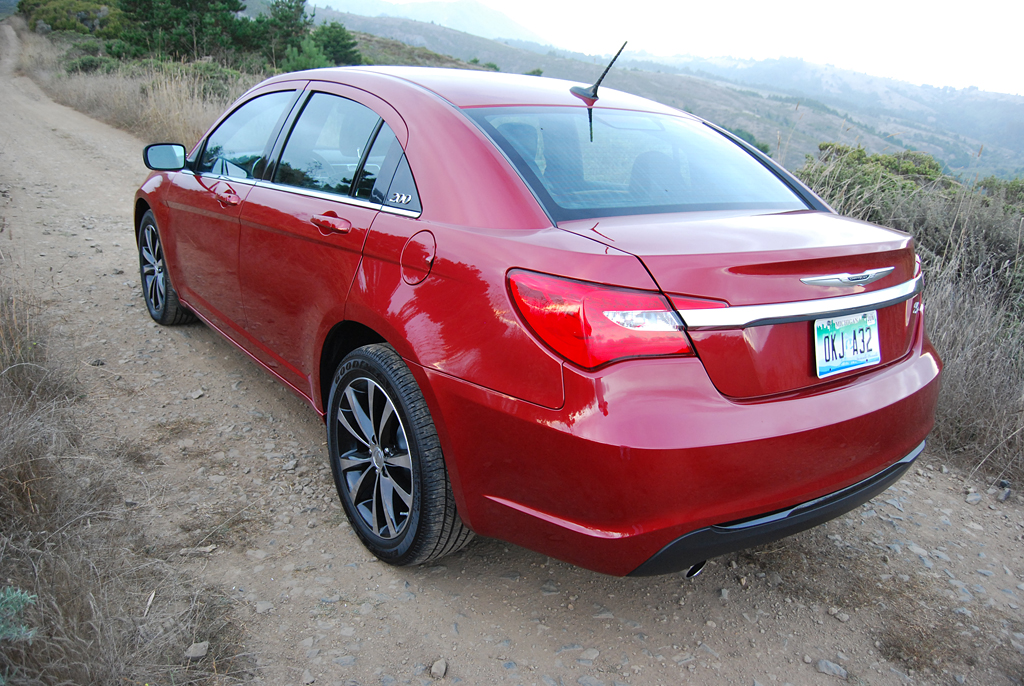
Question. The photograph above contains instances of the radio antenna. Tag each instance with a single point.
(589, 95)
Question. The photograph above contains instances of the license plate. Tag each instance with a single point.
(845, 343)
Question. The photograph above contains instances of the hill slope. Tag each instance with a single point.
(791, 120)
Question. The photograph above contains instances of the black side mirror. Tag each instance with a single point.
(164, 156)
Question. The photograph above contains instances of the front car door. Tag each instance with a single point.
(206, 200)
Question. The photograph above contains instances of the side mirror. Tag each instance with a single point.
(164, 156)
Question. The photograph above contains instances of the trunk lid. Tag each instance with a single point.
(747, 262)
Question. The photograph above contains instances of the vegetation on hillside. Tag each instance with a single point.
(283, 39)
(969, 236)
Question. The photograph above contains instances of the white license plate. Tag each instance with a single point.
(845, 343)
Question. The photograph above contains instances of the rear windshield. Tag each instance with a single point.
(630, 163)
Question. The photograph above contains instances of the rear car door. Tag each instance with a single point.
(206, 200)
(304, 225)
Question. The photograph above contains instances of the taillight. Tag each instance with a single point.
(591, 324)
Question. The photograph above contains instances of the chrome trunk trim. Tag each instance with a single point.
(803, 310)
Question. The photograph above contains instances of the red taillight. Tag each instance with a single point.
(591, 324)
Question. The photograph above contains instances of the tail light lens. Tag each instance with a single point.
(591, 324)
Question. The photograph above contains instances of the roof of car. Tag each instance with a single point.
(471, 88)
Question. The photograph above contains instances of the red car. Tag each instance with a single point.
(599, 328)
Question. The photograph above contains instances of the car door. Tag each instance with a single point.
(206, 200)
(303, 227)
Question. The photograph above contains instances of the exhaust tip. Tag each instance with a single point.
(695, 569)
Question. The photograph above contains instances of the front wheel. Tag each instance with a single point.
(387, 462)
(161, 298)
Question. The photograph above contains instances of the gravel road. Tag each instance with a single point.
(923, 585)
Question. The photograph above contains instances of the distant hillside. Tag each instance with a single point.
(462, 15)
(923, 116)
(792, 126)
(380, 50)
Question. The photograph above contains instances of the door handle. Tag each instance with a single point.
(329, 222)
(228, 199)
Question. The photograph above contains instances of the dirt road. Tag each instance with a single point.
(923, 585)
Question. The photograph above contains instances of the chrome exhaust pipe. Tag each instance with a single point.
(695, 569)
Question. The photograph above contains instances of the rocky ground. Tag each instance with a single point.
(924, 585)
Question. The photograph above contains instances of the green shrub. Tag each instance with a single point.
(88, 64)
(12, 602)
(307, 56)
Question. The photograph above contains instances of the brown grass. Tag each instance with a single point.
(158, 103)
(104, 611)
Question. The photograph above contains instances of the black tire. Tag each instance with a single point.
(161, 298)
(387, 461)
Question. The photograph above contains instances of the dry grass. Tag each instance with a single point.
(971, 245)
(158, 103)
(104, 611)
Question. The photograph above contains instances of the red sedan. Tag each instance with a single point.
(599, 328)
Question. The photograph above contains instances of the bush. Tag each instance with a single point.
(88, 64)
(307, 56)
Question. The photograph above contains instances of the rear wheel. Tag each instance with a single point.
(161, 298)
(387, 461)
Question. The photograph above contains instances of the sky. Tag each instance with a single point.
(960, 45)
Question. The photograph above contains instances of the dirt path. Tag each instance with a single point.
(923, 585)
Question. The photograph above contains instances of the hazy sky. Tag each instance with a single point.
(977, 44)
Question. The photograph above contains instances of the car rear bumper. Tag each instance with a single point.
(719, 539)
(646, 452)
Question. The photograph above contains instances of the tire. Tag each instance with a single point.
(387, 462)
(161, 298)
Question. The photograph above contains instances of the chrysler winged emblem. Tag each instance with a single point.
(862, 279)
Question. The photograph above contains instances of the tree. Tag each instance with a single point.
(307, 56)
(287, 25)
(188, 29)
(337, 44)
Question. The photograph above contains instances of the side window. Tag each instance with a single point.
(402, 192)
(236, 148)
(326, 144)
(380, 166)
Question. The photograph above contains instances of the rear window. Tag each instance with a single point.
(630, 163)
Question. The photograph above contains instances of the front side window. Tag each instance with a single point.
(236, 148)
(327, 145)
(630, 163)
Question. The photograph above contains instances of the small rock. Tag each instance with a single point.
(196, 395)
(197, 650)
(439, 669)
(831, 668)
(1004, 495)
(724, 594)
(97, 363)
(345, 660)
(263, 607)
(307, 677)
(289, 465)
(807, 659)
(843, 617)
(256, 554)
(549, 587)
(589, 654)
(217, 479)
(192, 552)
(973, 498)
